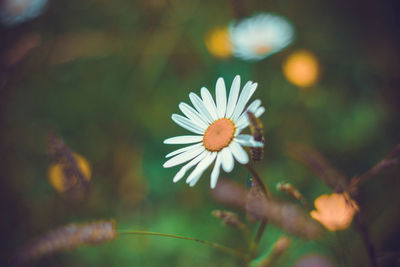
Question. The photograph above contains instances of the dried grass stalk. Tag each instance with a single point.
(279, 248)
(68, 237)
(229, 218)
(288, 216)
(292, 191)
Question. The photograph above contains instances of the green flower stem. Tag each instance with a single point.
(264, 222)
(223, 248)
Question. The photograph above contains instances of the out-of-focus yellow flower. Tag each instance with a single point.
(335, 211)
(62, 181)
(301, 68)
(218, 42)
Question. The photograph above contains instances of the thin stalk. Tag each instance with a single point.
(264, 222)
(259, 181)
(383, 164)
(223, 248)
(260, 231)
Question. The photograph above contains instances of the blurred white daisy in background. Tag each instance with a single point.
(13, 12)
(261, 35)
(217, 127)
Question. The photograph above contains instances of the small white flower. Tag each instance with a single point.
(261, 35)
(218, 126)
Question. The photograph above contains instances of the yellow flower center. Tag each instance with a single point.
(219, 135)
(262, 49)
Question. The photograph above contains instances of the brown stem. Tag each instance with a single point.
(259, 181)
(390, 160)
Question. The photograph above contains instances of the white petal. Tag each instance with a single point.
(221, 97)
(183, 157)
(194, 181)
(239, 130)
(259, 112)
(233, 95)
(239, 153)
(184, 139)
(241, 125)
(199, 105)
(200, 168)
(227, 160)
(192, 114)
(209, 103)
(187, 124)
(248, 140)
(179, 175)
(215, 171)
(247, 92)
(183, 149)
(244, 117)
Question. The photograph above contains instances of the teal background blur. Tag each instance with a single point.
(107, 75)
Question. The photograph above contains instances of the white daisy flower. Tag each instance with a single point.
(217, 127)
(261, 35)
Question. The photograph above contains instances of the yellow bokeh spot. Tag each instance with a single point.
(58, 179)
(218, 42)
(335, 211)
(301, 68)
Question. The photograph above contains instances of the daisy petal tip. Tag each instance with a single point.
(229, 170)
(258, 144)
(213, 184)
(167, 141)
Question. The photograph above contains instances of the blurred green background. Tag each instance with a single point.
(107, 75)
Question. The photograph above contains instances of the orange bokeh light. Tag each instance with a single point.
(301, 68)
(335, 211)
(218, 42)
